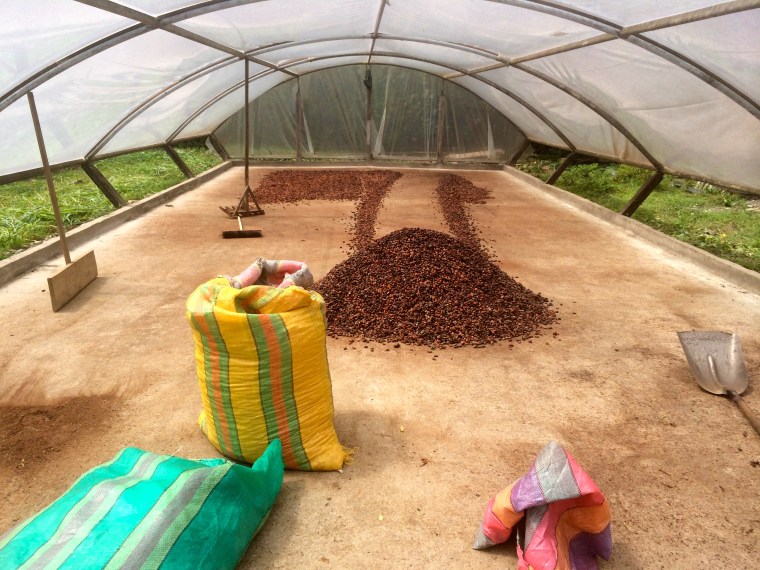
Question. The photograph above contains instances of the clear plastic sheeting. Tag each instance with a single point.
(499, 28)
(405, 105)
(272, 22)
(32, 40)
(737, 60)
(272, 121)
(532, 126)
(219, 109)
(586, 129)
(673, 86)
(157, 120)
(638, 90)
(474, 131)
(340, 128)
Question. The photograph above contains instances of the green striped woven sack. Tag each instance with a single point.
(143, 510)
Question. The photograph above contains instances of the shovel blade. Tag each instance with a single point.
(716, 361)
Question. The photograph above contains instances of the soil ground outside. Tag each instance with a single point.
(680, 468)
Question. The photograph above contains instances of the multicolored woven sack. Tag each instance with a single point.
(144, 510)
(567, 518)
(262, 368)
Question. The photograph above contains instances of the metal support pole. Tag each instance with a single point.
(368, 85)
(181, 164)
(568, 160)
(299, 120)
(642, 194)
(243, 207)
(246, 126)
(519, 152)
(49, 177)
(103, 185)
(441, 122)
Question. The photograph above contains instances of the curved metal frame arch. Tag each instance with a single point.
(598, 109)
(580, 98)
(630, 34)
(501, 89)
(147, 103)
(219, 97)
(167, 22)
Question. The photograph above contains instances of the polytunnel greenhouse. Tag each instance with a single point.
(441, 253)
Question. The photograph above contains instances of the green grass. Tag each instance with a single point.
(705, 216)
(702, 215)
(26, 216)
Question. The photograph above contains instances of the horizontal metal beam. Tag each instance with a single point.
(697, 15)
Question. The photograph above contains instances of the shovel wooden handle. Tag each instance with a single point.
(742, 405)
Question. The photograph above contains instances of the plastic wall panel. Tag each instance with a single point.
(216, 114)
(682, 121)
(450, 56)
(405, 113)
(629, 13)
(265, 23)
(501, 28)
(533, 127)
(316, 49)
(156, 123)
(474, 130)
(337, 129)
(737, 61)
(272, 126)
(30, 39)
(587, 130)
(79, 106)
(157, 7)
(18, 145)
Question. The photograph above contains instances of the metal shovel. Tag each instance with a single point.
(716, 361)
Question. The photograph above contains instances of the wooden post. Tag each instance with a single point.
(642, 194)
(218, 147)
(71, 279)
(299, 121)
(246, 135)
(103, 184)
(48, 177)
(568, 160)
(181, 164)
(518, 153)
(441, 122)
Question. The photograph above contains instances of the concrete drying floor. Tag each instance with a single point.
(679, 466)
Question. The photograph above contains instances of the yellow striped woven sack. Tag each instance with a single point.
(262, 367)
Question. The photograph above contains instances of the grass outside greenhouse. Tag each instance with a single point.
(723, 223)
(26, 216)
(713, 219)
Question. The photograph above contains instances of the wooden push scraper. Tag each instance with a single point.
(241, 233)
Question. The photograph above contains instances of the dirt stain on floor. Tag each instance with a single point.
(32, 434)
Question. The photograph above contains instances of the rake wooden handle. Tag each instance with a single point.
(742, 405)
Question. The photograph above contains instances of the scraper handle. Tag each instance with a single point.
(751, 417)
